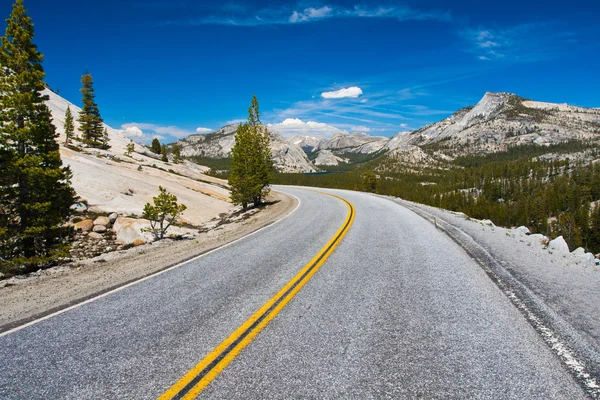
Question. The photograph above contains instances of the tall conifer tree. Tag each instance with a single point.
(69, 127)
(251, 161)
(156, 147)
(35, 191)
(91, 123)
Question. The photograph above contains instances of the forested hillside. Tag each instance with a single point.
(548, 189)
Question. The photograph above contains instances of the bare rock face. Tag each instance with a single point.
(287, 157)
(326, 157)
(501, 120)
(353, 143)
(102, 221)
(86, 225)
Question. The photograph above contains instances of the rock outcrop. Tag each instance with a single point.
(287, 157)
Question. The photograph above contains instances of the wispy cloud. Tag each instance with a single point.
(204, 130)
(519, 43)
(304, 13)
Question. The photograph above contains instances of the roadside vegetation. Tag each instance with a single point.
(163, 213)
(35, 189)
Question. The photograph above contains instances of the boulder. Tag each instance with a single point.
(487, 222)
(559, 245)
(100, 228)
(79, 207)
(113, 217)
(130, 229)
(95, 236)
(589, 257)
(524, 230)
(138, 242)
(85, 226)
(579, 252)
(102, 221)
(538, 237)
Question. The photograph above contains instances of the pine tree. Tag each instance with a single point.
(105, 139)
(239, 177)
(35, 191)
(176, 154)
(164, 213)
(69, 127)
(91, 123)
(262, 160)
(156, 148)
(251, 161)
(129, 148)
(164, 153)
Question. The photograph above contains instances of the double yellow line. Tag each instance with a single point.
(192, 384)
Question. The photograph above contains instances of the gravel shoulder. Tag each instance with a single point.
(62, 287)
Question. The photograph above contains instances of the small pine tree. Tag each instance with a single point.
(163, 213)
(69, 127)
(91, 123)
(164, 153)
(369, 182)
(105, 139)
(176, 153)
(129, 148)
(35, 190)
(156, 148)
(251, 161)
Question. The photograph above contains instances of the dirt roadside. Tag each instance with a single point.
(42, 295)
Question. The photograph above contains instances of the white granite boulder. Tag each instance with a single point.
(559, 244)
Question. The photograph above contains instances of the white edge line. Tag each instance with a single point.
(18, 328)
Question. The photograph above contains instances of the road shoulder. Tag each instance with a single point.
(50, 293)
(548, 288)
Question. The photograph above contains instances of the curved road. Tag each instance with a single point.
(397, 311)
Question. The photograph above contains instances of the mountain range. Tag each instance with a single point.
(497, 122)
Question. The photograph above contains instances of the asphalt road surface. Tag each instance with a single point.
(398, 310)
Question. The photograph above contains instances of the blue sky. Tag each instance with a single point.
(171, 68)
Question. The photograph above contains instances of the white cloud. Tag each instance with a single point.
(133, 131)
(360, 128)
(403, 125)
(295, 126)
(351, 92)
(203, 130)
(310, 14)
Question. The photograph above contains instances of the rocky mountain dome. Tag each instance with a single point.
(287, 157)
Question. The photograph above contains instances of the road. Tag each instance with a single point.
(398, 310)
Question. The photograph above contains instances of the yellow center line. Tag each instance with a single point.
(193, 382)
